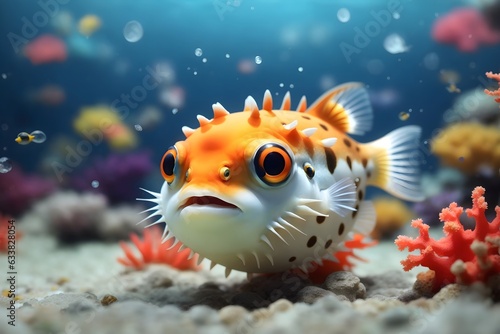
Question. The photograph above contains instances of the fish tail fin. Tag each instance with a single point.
(396, 167)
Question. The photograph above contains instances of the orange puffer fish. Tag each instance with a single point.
(265, 190)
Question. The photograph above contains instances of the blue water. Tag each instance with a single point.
(250, 28)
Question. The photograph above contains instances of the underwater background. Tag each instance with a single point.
(108, 85)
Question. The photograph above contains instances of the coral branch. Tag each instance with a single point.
(461, 256)
(494, 76)
(152, 250)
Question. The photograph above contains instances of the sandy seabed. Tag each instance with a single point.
(82, 289)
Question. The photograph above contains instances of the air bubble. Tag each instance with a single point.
(5, 165)
(95, 184)
(258, 60)
(343, 15)
(138, 127)
(175, 111)
(300, 69)
(40, 137)
(198, 52)
(133, 31)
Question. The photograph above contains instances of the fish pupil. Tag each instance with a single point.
(168, 164)
(274, 163)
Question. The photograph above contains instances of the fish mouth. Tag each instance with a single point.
(207, 201)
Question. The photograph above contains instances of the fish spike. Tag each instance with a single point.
(329, 142)
(212, 264)
(251, 105)
(219, 110)
(203, 120)
(291, 126)
(227, 272)
(241, 257)
(270, 258)
(191, 255)
(187, 131)
(287, 102)
(309, 131)
(200, 260)
(302, 107)
(267, 103)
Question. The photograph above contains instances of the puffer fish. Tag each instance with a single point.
(265, 190)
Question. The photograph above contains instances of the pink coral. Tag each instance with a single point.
(494, 76)
(461, 256)
(465, 28)
(152, 250)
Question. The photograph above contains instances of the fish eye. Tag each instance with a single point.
(168, 163)
(273, 164)
(309, 169)
(225, 173)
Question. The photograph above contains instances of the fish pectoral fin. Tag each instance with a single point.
(346, 107)
(365, 218)
(396, 167)
(342, 196)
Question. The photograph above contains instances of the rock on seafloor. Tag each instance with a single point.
(96, 295)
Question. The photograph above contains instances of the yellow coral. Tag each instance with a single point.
(98, 122)
(392, 214)
(469, 147)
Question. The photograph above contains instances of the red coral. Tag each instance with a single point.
(494, 76)
(153, 250)
(461, 256)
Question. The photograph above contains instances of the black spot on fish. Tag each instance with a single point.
(349, 162)
(341, 228)
(360, 195)
(305, 116)
(347, 142)
(324, 127)
(293, 258)
(328, 243)
(311, 242)
(364, 162)
(331, 159)
(320, 219)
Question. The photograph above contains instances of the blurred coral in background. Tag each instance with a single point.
(20, 191)
(118, 176)
(392, 214)
(46, 49)
(464, 28)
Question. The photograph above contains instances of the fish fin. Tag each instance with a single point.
(346, 107)
(396, 168)
(342, 196)
(365, 218)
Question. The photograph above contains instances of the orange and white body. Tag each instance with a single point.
(265, 190)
